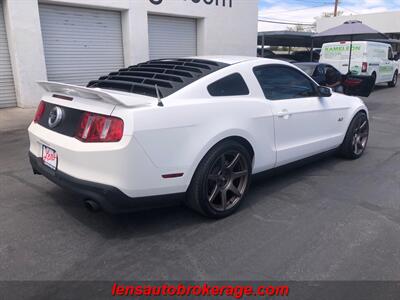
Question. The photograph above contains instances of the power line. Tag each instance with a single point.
(315, 2)
(267, 19)
(348, 9)
(339, 5)
(285, 22)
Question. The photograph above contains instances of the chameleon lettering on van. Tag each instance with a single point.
(343, 48)
(341, 52)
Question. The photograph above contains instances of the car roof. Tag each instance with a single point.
(163, 77)
(308, 63)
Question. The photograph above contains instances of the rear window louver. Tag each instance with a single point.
(169, 75)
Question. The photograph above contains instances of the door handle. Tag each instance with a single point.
(283, 114)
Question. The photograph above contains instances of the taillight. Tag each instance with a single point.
(352, 82)
(364, 67)
(96, 128)
(39, 111)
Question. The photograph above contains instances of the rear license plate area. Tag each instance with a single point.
(49, 157)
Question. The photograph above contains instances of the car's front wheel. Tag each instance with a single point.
(221, 181)
(356, 138)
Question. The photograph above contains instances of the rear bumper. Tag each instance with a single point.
(124, 165)
(110, 198)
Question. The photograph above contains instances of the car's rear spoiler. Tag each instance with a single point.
(112, 97)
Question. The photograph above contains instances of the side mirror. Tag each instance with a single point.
(396, 57)
(324, 91)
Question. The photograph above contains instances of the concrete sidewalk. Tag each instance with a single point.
(15, 118)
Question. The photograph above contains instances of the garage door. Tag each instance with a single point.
(80, 44)
(171, 37)
(7, 89)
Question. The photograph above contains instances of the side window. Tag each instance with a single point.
(283, 82)
(232, 85)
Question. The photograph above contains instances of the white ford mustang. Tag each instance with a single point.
(198, 127)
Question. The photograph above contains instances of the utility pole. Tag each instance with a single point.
(336, 8)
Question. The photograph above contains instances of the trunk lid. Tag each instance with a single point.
(74, 101)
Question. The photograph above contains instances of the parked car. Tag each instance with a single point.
(327, 75)
(194, 129)
(270, 54)
(304, 56)
(367, 58)
(286, 59)
(267, 53)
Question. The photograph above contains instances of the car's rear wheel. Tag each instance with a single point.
(356, 139)
(394, 80)
(221, 181)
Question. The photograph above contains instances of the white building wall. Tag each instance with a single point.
(386, 22)
(221, 30)
(26, 49)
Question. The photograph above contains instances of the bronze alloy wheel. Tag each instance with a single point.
(356, 139)
(360, 136)
(227, 181)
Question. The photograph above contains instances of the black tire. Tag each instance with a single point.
(213, 165)
(374, 80)
(356, 138)
(394, 80)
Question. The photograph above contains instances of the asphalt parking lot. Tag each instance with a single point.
(329, 220)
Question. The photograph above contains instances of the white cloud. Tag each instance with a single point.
(373, 10)
(366, 3)
(374, 2)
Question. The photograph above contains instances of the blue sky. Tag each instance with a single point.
(305, 11)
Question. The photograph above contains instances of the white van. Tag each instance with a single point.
(367, 58)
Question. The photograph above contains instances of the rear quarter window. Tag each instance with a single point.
(232, 85)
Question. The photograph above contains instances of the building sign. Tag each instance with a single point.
(223, 3)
